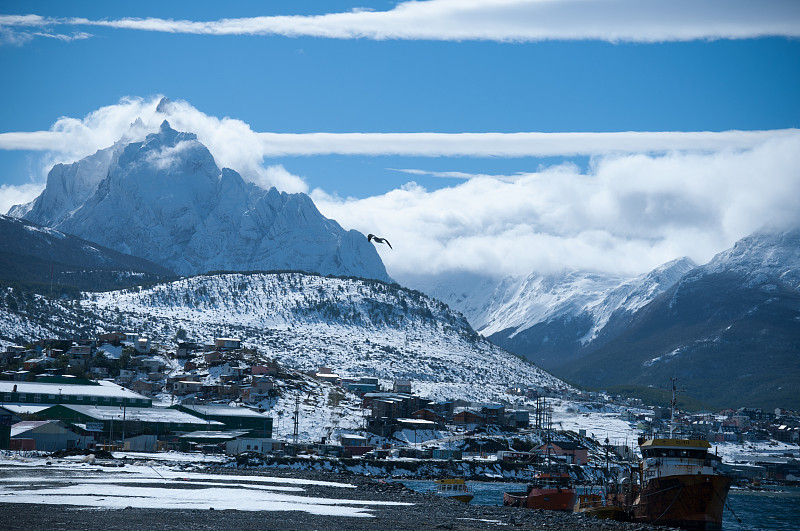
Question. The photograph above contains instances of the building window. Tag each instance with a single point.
(22, 397)
(94, 399)
(7, 397)
(37, 398)
(51, 397)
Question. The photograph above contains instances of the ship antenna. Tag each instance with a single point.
(673, 404)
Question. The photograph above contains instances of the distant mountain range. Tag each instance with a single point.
(729, 330)
(165, 199)
(48, 261)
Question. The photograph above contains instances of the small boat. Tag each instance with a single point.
(551, 491)
(454, 488)
(592, 505)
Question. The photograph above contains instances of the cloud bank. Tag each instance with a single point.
(645, 199)
(498, 20)
(626, 215)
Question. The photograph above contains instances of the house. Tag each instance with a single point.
(113, 338)
(227, 343)
(429, 415)
(186, 349)
(359, 387)
(402, 386)
(493, 413)
(326, 375)
(82, 353)
(241, 445)
(233, 371)
(145, 388)
(519, 418)
(31, 364)
(213, 357)
(264, 370)
(262, 386)
(575, 453)
(44, 435)
(142, 344)
(355, 444)
(469, 418)
(149, 364)
(186, 387)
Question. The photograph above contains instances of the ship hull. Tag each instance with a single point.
(687, 501)
(546, 499)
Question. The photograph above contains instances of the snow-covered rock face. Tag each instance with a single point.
(166, 200)
(761, 257)
(514, 304)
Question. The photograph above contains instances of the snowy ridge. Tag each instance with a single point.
(356, 327)
(761, 256)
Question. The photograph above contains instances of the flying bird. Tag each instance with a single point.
(371, 237)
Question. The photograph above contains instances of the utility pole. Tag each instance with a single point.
(296, 432)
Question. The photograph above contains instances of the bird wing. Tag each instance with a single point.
(387, 243)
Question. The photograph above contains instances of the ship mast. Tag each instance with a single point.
(673, 405)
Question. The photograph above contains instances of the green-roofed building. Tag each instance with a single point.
(113, 421)
(233, 418)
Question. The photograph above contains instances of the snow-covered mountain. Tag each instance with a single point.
(44, 259)
(356, 327)
(729, 330)
(549, 317)
(165, 199)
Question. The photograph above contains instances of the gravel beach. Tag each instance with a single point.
(425, 512)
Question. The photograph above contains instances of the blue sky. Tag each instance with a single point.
(448, 67)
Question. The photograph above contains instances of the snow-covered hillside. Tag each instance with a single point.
(166, 200)
(355, 327)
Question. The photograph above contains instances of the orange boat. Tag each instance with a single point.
(551, 491)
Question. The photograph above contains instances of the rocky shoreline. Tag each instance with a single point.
(417, 511)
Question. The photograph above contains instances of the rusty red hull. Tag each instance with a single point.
(688, 502)
(547, 499)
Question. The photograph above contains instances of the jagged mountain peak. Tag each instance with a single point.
(165, 199)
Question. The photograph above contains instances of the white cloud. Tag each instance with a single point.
(647, 197)
(627, 215)
(498, 20)
(11, 195)
(232, 143)
(508, 144)
(233, 140)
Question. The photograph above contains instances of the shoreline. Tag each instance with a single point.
(417, 511)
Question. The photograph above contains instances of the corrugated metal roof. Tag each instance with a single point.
(143, 414)
(224, 411)
(104, 388)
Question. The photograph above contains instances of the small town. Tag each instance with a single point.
(120, 392)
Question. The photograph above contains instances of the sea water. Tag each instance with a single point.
(747, 510)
